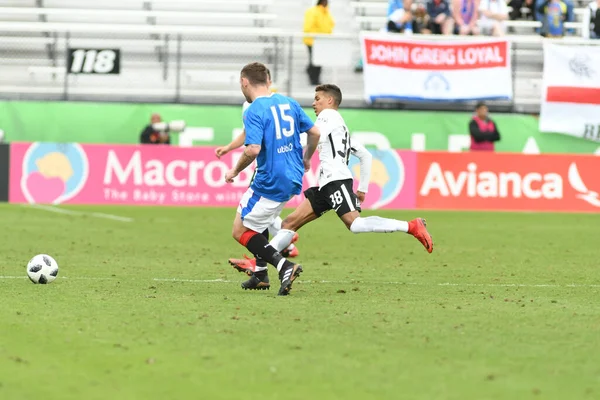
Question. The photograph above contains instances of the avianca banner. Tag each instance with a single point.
(511, 182)
(571, 92)
(400, 68)
(72, 173)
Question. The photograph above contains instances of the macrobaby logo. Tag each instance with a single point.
(388, 179)
(53, 173)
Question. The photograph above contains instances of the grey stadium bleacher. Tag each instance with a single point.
(192, 50)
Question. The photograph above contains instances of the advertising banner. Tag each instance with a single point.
(4, 164)
(397, 67)
(511, 182)
(571, 93)
(71, 173)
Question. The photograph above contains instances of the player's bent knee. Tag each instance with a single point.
(349, 219)
(237, 232)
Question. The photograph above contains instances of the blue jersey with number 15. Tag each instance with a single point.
(275, 123)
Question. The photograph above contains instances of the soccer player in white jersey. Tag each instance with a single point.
(335, 183)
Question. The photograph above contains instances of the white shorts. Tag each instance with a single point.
(258, 212)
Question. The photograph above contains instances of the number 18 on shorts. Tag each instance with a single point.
(336, 195)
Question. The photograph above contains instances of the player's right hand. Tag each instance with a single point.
(221, 151)
(306, 165)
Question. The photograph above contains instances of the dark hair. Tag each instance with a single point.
(332, 90)
(257, 73)
(479, 105)
(320, 2)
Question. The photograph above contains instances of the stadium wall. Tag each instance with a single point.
(71, 173)
(117, 123)
(4, 170)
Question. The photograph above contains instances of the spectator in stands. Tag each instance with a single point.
(317, 19)
(493, 13)
(517, 6)
(440, 18)
(540, 16)
(155, 132)
(420, 19)
(594, 7)
(399, 16)
(554, 15)
(483, 130)
(465, 15)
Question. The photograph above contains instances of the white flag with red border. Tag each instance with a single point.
(571, 90)
(398, 67)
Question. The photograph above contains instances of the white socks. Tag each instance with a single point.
(275, 226)
(282, 240)
(378, 225)
(274, 229)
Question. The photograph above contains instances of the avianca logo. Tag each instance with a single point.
(506, 184)
(490, 184)
(577, 183)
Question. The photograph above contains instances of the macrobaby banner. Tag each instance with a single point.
(71, 173)
(571, 93)
(400, 68)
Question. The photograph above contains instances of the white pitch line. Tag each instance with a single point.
(515, 285)
(57, 210)
(79, 278)
(389, 283)
(111, 216)
(52, 209)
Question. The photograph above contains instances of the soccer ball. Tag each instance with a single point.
(42, 269)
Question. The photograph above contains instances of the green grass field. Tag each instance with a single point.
(505, 308)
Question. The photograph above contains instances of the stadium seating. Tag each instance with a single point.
(205, 40)
(147, 33)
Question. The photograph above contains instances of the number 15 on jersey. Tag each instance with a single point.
(284, 115)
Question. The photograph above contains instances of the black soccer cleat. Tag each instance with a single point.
(258, 281)
(287, 277)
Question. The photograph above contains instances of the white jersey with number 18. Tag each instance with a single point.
(335, 148)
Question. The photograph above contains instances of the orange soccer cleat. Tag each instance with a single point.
(418, 228)
(246, 265)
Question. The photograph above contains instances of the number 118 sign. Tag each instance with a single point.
(94, 61)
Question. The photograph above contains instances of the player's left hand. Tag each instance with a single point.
(221, 151)
(230, 175)
(361, 196)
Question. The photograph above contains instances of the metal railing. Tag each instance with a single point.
(168, 63)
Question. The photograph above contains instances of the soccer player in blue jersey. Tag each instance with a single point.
(273, 123)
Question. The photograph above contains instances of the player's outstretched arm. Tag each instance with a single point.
(250, 153)
(366, 160)
(312, 140)
(234, 144)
